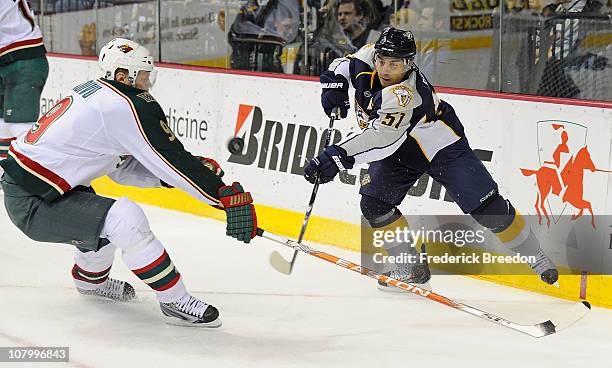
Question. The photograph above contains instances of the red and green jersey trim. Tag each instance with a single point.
(22, 50)
(5, 143)
(33, 177)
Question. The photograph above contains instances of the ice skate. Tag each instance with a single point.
(190, 311)
(112, 289)
(417, 274)
(544, 267)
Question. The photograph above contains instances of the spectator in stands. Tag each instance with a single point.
(434, 52)
(74, 5)
(259, 34)
(566, 36)
(406, 16)
(351, 18)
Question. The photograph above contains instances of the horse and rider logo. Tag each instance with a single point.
(563, 156)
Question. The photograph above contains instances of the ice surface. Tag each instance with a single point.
(321, 316)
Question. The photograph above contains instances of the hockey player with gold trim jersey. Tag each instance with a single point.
(113, 126)
(408, 131)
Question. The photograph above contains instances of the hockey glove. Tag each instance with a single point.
(327, 165)
(335, 93)
(241, 217)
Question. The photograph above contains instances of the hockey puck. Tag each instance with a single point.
(235, 145)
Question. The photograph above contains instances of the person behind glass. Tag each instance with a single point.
(350, 18)
(566, 36)
(74, 5)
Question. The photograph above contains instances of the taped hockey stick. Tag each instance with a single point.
(548, 327)
(277, 261)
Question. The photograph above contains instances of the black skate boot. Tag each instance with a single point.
(112, 289)
(190, 311)
(417, 274)
(544, 267)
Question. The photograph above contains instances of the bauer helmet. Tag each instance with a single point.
(397, 43)
(126, 54)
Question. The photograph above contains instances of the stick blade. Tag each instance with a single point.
(575, 313)
(279, 263)
(562, 320)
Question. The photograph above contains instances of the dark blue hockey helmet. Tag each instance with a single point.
(397, 43)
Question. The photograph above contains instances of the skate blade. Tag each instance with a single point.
(393, 289)
(180, 322)
(103, 298)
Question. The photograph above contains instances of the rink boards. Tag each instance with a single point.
(282, 124)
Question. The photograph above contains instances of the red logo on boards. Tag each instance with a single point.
(564, 156)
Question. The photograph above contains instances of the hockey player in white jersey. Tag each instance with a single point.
(23, 71)
(408, 131)
(113, 126)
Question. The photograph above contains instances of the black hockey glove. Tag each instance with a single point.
(328, 164)
(241, 216)
(335, 93)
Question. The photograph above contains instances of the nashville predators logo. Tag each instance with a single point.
(362, 117)
(403, 95)
(125, 48)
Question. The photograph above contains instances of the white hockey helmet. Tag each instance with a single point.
(126, 54)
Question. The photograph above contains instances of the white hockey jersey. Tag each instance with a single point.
(89, 133)
(20, 37)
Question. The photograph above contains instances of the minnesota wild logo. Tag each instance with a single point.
(125, 48)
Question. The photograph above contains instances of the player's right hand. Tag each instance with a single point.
(327, 164)
(335, 93)
(241, 216)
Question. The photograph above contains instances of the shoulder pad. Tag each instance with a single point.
(365, 54)
(146, 96)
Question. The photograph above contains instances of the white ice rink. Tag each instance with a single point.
(321, 316)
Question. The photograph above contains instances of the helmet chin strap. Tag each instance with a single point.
(410, 65)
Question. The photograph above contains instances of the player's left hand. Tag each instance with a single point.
(328, 164)
(211, 165)
(241, 216)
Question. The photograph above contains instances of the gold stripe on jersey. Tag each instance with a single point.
(365, 73)
(141, 129)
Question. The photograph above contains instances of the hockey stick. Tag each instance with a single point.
(542, 329)
(277, 261)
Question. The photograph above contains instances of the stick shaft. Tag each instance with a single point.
(315, 189)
